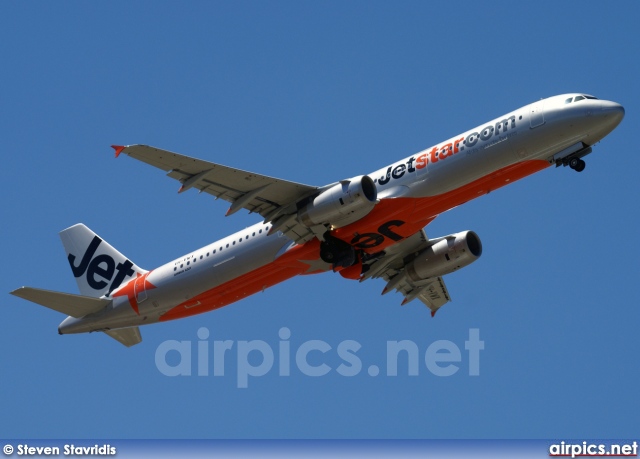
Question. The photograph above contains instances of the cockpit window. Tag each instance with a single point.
(577, 98)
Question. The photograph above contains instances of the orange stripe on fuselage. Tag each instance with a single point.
(283, 268)
(415, 213)
(251, 283)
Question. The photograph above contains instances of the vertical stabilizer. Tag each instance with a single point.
(98, 268)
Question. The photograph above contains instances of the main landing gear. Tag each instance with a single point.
(337, 252)
(577, 164)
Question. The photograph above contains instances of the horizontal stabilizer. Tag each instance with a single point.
(127, 336)
(66, 303)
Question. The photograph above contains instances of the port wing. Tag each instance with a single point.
(268, 196)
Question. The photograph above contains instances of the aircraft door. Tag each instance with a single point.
(536, 114)
(140, 288)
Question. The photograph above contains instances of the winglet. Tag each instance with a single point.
(118, 149)
(433, 313)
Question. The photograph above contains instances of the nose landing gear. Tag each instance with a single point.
(572, 157)
(577, 164)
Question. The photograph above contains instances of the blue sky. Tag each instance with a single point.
(315, 93)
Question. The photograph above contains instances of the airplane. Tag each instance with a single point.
(364, 227)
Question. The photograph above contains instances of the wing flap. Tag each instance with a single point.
(435, 295)
(66, 303)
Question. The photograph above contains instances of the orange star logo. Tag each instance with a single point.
(136, 290)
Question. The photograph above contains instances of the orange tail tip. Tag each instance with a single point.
(118, 149)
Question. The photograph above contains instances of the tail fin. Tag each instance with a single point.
(98, 268)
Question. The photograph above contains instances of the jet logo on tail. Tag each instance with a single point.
(102, 266)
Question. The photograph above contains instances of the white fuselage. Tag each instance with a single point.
(218, 272)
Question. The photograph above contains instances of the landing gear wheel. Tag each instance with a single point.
(337, 252)
(327, 256)
(581, 165)
(574, 162)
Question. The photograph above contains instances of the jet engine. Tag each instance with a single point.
(342, 204)
(446, 255)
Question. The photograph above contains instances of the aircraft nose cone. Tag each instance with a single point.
(613, 110)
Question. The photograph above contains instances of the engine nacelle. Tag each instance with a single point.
(447, 255)
(342, 204)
